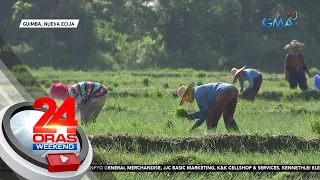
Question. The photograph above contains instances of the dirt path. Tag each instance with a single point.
(253, 143)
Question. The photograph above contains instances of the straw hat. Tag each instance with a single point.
(235, 72)
(294, 43)
(184, 90)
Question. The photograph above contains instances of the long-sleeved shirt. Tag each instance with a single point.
(294, 61)
(205, 96)
(248, 75)
(86, 90)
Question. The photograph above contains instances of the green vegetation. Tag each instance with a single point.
(180, 112)
(138, 125)
(128, 44)
(136, 34)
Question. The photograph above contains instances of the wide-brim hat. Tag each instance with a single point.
(183, 91)
(235, 72)
(294, 43)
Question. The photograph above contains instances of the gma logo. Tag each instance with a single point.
(278, 23)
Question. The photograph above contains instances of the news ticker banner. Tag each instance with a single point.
(49, 23)
(199, 168)
(41, 140)
(203, 168)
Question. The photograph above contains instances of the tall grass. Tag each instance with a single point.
(153, 114)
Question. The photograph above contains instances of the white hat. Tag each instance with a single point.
(294, 43)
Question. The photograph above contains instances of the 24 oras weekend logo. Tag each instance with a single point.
(39, 141)
(280, 22)
(51, 132)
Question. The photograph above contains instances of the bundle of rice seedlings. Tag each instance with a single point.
(180, 112)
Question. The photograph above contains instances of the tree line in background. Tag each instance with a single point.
(137, 34)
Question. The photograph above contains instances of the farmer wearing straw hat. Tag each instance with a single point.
(90, 97)
(214, 99)
(254, 78)
(295, 66)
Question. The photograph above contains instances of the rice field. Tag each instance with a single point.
(142, 104)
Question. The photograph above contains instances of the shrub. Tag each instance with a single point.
(314, 71)
(146, 94)
(253, 51)
(19, 68)
(22, 48)
(101, 60)
(146, 82)
(166, 85)
(157, 93)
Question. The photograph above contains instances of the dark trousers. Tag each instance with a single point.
(91, 110)
(225, 103)
(297, 76)
(250, 94)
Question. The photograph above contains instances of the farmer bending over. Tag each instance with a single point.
(214, 99)
(90, 97)
(254, 78)
(295, 66)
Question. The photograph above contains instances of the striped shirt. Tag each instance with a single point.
(86, 90)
